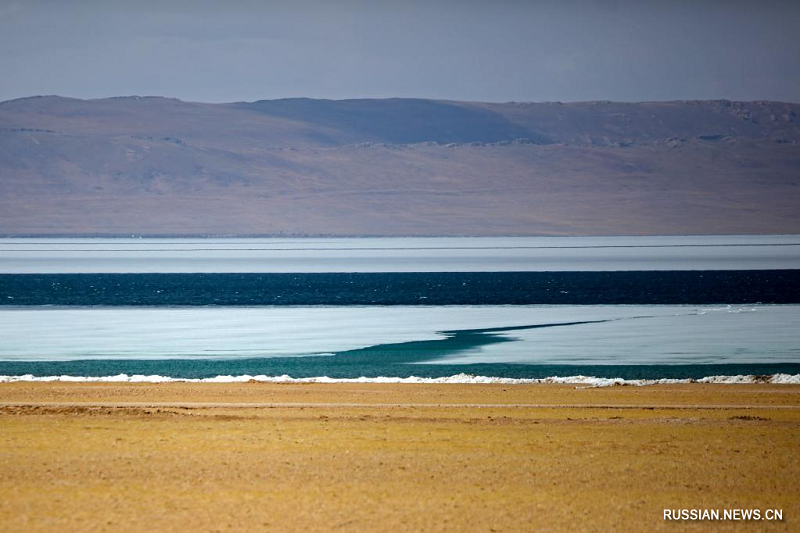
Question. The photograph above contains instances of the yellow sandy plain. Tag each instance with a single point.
(374, 457)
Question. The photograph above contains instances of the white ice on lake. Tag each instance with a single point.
(635, 334)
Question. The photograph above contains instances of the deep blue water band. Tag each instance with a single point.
(301, 367)
(424, 288)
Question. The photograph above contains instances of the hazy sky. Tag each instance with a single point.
(491, 50)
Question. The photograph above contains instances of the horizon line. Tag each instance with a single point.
(506, 102)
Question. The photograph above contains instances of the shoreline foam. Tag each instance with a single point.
(591, 381)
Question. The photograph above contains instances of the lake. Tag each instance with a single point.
(513, 308)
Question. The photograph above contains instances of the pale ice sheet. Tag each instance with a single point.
(443, 254)
(634, 334)
(655, 335)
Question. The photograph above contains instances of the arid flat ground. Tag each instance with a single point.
(373, 457)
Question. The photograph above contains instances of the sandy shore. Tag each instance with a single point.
(374, 457)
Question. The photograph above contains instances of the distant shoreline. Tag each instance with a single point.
(364, 236)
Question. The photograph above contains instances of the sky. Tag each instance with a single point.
(497, 51)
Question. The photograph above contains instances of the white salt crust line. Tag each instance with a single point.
(298, 405)
(456, 379)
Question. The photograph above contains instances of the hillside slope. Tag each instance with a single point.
(159, 166)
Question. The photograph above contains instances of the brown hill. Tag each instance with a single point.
(159, 166)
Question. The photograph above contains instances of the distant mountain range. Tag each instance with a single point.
(160, 166)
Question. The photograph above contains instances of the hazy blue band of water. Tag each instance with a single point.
(495, 254)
